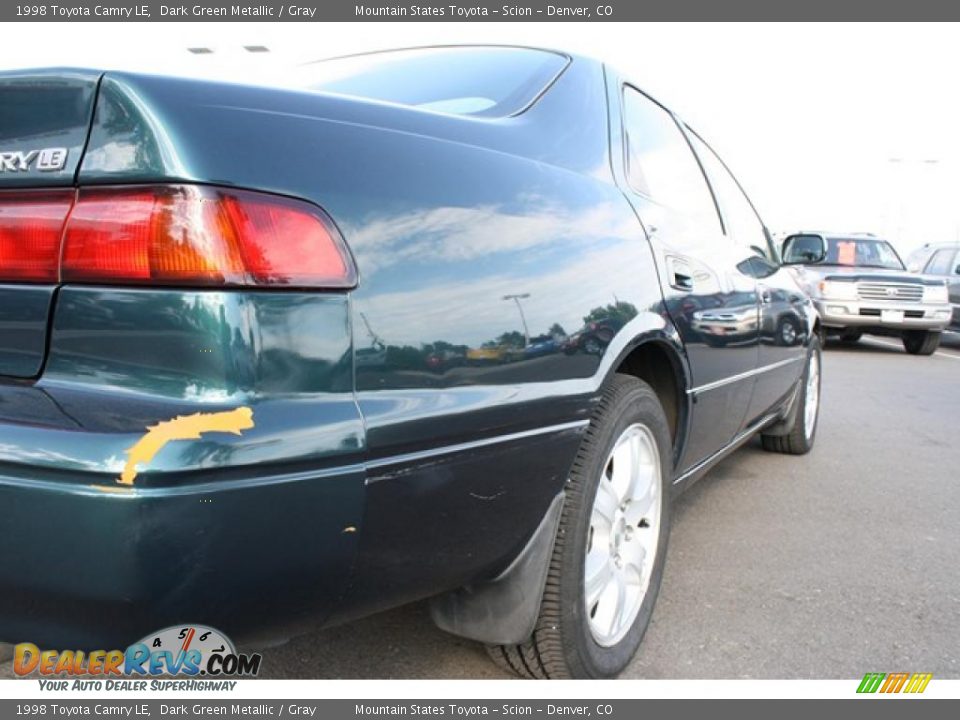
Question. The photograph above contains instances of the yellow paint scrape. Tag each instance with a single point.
(182, 427)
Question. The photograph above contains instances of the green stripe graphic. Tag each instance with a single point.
(871, 682)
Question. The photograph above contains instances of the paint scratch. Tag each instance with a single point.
(488, 497)
(182, 427)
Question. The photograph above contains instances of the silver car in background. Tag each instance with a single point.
(860, 285)
(941, 260)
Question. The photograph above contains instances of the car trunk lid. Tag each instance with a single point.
(45, 119)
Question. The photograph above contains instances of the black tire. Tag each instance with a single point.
(800, 439)
(788, 332)
(851, 336)
(921, 342)
(562, 645)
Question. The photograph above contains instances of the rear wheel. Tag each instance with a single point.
(921, 342)
(806, 412)
(609, 553)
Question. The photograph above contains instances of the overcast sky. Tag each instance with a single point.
(841, 127)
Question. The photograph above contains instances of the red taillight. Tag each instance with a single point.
(31, 224)
(196, 235)
(169, 235)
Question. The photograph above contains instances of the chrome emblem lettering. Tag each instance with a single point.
(47, 159)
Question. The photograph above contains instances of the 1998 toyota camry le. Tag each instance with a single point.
(448, 323)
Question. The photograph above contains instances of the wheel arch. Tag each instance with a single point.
(659, 360)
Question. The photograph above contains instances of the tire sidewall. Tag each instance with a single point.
(801, 423)
(584, 655)
(921, 342)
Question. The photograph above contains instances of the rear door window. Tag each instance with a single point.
(660, 163)
(741, 222)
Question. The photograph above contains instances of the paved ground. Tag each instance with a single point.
(828, 566)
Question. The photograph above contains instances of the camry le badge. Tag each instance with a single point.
(47, 160)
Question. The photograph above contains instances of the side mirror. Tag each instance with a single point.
(804, 250)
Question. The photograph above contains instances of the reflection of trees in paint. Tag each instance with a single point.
(509, 346)
(618, 314)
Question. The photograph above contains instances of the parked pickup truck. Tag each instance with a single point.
(266, 358)
(860, 285)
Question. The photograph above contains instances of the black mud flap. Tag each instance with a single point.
(503, 611)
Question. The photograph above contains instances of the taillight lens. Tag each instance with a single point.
(31, 224)
(197, 235)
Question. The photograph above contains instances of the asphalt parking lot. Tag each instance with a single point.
(828, 566)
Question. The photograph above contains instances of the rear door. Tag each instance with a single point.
(783, 324)
(44, 122)
(712, 302)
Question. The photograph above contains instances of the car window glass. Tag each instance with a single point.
(940, 262)
(476, 81)
(740, 220)
(862, 252)
(846, 253)
(660, 163)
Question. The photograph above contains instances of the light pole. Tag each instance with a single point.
(523, 318)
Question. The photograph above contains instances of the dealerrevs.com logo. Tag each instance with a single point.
(177, 651)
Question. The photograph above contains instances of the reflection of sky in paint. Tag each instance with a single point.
(441, 274)
(453, 239)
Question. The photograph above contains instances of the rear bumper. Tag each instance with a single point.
(93, 566)
(858, 314)
(258, 550)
